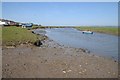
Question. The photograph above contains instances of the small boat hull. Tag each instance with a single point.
(87, 32)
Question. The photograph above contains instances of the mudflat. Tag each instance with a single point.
(52, 60)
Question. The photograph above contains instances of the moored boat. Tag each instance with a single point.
(87, 32)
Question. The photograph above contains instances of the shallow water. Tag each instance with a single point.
(97, 43)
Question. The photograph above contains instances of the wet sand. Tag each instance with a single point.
(52, 60)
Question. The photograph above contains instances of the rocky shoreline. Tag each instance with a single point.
(52, 60)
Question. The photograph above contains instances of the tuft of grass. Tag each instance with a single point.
(107, 30)
(16, 35)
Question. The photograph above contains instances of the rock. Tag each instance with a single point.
(85, 70)
(7, 64)
(45, 60)
(113, 73)
(6, 69)
(69, 70)
(80, 72)
(80, 65)
(64, 71)
(86, 63)
(109, 72)
(10, 72)
(115, 61)
(83, 50)
(24, 64)
(33, 32)
(38, 43)
(87, 51)
(21, 44)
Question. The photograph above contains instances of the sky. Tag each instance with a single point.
(62, 13)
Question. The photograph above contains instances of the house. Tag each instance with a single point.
(2, 23)
(8, 22)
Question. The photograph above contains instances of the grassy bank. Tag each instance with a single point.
(15, 35)
(108, 30)
(43, 27)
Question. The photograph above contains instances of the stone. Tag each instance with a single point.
(80, 65)
(80, 72)
(7, 64)
(38, 43)
(69, 70)
(109, 72)
(64, 71)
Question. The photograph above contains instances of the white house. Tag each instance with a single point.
(2, 23)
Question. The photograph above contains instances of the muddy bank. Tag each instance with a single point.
(52, 60)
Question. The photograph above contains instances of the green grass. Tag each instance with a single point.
(16, 35)
(107, 30)
(36, 27)
(43, 27)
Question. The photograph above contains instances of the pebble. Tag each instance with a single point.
(10, 72)
(80, 65)
(85, 70)
(24, 64)
(109, 72)
(7, 64)
(6, 69)
(80, 72)
(69, 70)
(113, 73)
(64, 71)
(45, 60)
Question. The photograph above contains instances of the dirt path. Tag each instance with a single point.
(55, 61)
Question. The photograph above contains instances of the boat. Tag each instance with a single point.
(87, 32)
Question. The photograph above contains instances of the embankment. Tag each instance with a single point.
(107, 30)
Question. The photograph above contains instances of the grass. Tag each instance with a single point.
(16, 35)
(43, 27)
(36, 27)
(108, 30)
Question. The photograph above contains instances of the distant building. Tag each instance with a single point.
(2, 23)
(8, 22)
